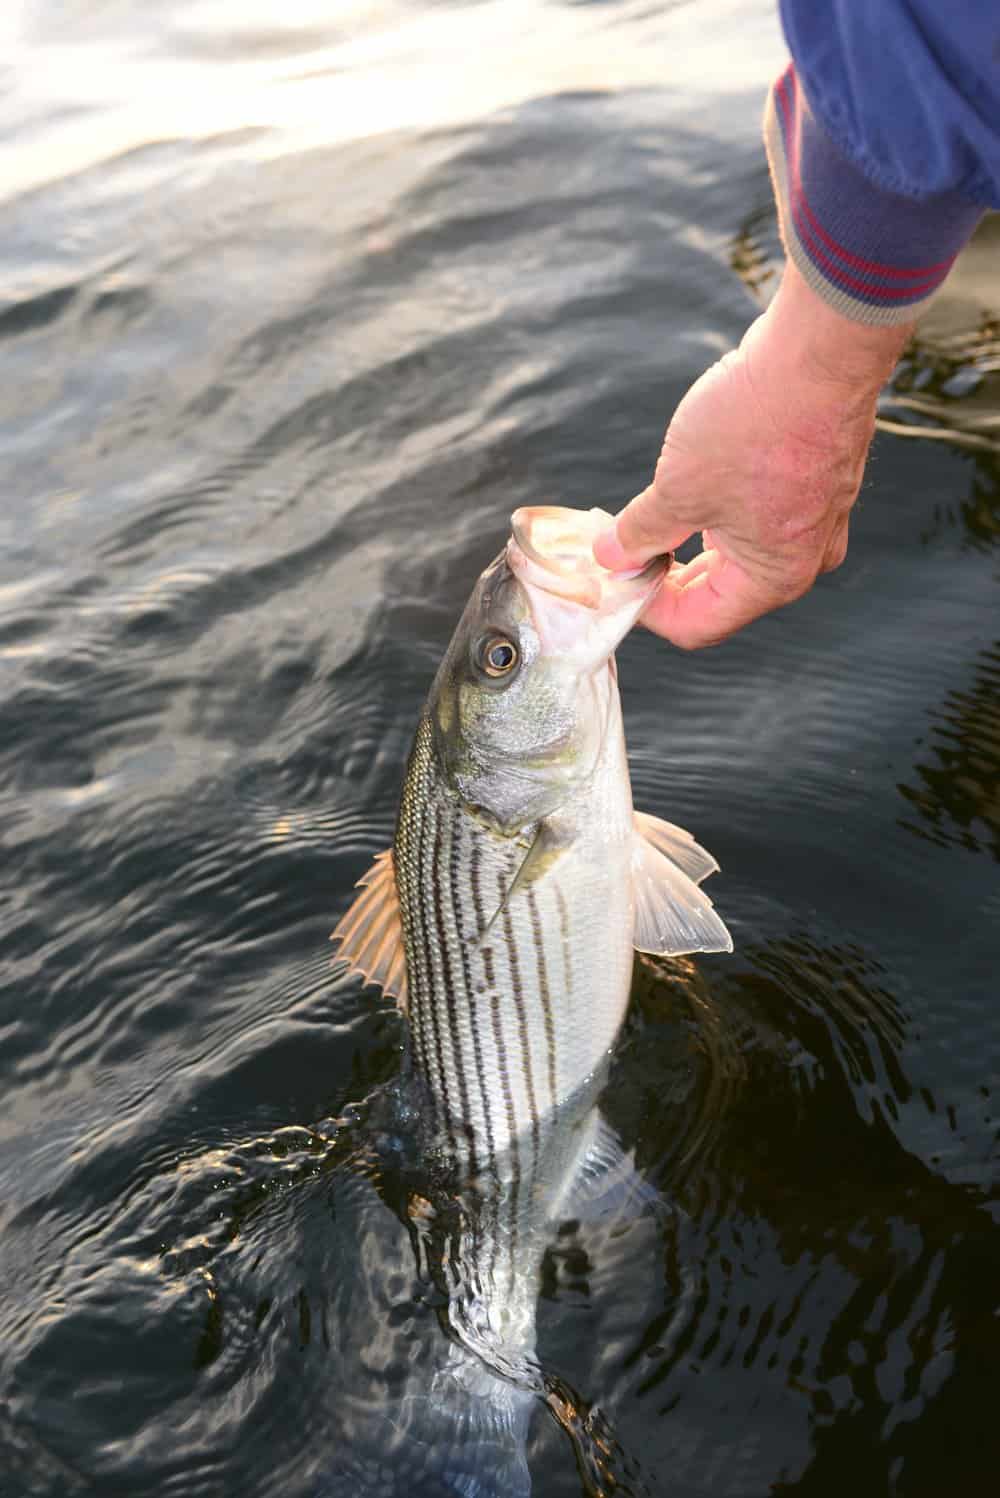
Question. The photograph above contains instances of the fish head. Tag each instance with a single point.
(526, 694)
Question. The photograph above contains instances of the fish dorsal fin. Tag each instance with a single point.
(371, 932)
(679, 846)
(672, 915)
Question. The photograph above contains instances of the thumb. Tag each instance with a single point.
(642, 530)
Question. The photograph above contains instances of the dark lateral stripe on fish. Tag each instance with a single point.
(492, 995)
(435, 956)
(496, 1014)
(475, 884)
(431, 1039)
(515, 1158)
(453, 998)
(469, 998)
(522, 1020)
(544, 994)
(418, 982)
(407, 838)
(564, 934)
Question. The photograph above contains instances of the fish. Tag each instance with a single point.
(504, 921)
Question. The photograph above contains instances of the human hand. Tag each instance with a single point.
(764, 456)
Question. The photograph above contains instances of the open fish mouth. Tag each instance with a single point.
(551, 547)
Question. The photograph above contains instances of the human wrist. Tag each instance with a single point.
(818, 350)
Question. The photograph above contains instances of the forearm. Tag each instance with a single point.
(764, 456)
(822, 357)
(766, 452)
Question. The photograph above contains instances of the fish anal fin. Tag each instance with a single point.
(679, 846)
(672, 915)
(606, 1182)
(371, 932)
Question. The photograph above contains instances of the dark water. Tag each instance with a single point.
(272, 384)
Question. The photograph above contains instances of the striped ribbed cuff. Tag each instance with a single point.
(874, 256)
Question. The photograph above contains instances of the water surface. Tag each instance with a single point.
(299, 303)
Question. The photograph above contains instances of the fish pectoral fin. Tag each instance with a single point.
(371, 932)
(679, 846)
(547, 847)
(672, 915)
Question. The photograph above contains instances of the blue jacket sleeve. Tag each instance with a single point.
(884, 143)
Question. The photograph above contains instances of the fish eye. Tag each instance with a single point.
(498, 656)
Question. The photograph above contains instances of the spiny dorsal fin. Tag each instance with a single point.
(678, 845)
(672, 915)
(371, 932)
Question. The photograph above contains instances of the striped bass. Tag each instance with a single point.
(504, 920)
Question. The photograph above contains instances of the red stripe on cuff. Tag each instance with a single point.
(800, 208)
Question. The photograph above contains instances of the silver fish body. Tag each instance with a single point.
(506, 1025)
(519, 885)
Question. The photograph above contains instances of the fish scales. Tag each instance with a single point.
(506, 1025)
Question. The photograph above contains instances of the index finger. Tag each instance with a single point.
(705, 601)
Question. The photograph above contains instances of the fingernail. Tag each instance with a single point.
(609, 551)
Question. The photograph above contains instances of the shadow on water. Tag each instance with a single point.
(884, 1314)
(958, 792)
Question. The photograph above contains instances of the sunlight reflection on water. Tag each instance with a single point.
(310, 74)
